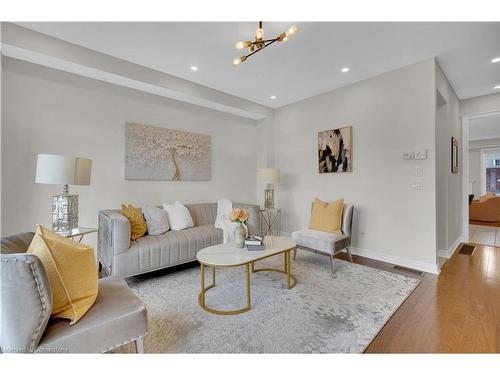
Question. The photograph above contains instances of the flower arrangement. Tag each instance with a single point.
(239, 215)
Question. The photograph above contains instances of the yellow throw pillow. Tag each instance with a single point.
(327, 217)
(72, 271)
(138, 226)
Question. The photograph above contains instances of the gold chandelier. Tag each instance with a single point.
(260, 43)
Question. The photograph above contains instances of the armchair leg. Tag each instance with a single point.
(294, 253)
(349, 254)
(139, 345)
(332, 258)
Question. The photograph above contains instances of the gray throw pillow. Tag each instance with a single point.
(156, 220)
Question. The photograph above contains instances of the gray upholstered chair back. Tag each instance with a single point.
(347, 213)
(25, 293)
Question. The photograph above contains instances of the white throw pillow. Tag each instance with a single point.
(178, 216)
(156, 220)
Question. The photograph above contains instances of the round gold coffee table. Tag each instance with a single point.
(228, 255)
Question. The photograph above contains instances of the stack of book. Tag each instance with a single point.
(254, 243)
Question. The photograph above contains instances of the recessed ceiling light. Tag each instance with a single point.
(497, 87)
(344, 70)
(194, 68)
(495, 60)
(272, 97)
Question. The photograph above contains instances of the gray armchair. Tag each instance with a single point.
(116, 318)
(325, 242)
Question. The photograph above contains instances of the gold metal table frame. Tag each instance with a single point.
(249, 269)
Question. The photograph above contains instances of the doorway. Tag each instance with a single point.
(481, 179)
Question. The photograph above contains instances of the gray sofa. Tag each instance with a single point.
(119, 256)
(116, 317)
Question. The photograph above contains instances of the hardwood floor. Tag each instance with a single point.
(455, 312)
(495, 224)
(484, 235)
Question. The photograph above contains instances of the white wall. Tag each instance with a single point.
(475, 171)
(47, 111)
(479, 105)
(448, 185)
(390, 114)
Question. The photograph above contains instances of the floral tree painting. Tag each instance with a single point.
(335, 150)
(154, 153)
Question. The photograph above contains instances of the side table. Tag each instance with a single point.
(270, 217)
(75, 232)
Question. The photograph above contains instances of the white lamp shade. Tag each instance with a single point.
(270, 175)
(63, 170)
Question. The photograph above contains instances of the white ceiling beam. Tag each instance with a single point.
(23, 44)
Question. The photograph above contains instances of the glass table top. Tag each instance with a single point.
(75, 232)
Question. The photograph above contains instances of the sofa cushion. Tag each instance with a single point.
(72, 272)
(116, 317)
(174, 247)
(327, 217)
(178, 216)
(202, 213)
(321, 241)
(156, 220)
(134, 215)
(16, 243)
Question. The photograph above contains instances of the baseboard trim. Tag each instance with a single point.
(448, 253)
(398, 261)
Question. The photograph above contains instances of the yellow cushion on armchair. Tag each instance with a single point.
(72, 271)
(327, 217)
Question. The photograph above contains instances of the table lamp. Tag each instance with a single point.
(63, 170)
(269, 176)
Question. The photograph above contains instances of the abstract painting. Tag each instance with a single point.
(154, 153)
(335, 150)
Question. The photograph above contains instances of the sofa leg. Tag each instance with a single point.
(349, 254)
(139, 345)
(332, 258)
(294, 253)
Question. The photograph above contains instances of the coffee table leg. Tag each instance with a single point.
(202, 293)
(288, 270)
(247, 271)
(213, 276)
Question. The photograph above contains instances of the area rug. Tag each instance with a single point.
(323, 313)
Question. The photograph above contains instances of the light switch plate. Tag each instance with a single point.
(421, 154)
(416, 186)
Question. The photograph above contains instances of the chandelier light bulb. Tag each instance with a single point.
(259, 33)
(497, 87)
(292, 30)
(495, 60)
(257, 45)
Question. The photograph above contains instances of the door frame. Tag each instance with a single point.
(465, 168)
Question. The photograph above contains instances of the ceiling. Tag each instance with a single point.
(484, 128)
(307, 65)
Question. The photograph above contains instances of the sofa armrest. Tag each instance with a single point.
(113, 236)
(26, 304)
